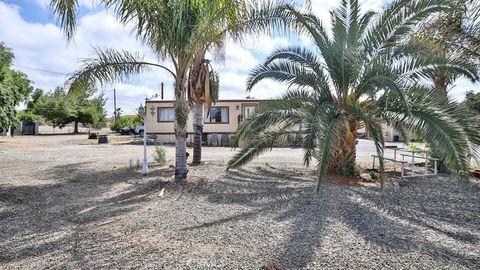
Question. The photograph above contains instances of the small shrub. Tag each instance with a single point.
(373, 175)
(160, 155)
(351, 170)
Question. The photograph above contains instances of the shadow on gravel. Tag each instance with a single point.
(289, 194)
(79, 196)
(398, 221)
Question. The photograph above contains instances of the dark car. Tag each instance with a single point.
(127, 131)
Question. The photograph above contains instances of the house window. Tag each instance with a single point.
(217, 115)
(166, 115)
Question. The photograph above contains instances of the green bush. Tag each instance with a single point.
(123, 121)
(160, 155)
(351, 170)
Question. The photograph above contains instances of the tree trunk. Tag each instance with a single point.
(197, 132)
(181, 116)
(441, 84)
(75, 130)
(345, 154)
(181, 158)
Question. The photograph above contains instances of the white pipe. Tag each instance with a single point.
(145, 162)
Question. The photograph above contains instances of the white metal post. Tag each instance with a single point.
(413, 162)
(145, 161)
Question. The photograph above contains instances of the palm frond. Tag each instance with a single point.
(433, 122)
(66, 12)
(332, 132)
(110, 66)
(282, 71)
(261, 143)
(399, 20)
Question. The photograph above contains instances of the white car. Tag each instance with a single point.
(139, 130)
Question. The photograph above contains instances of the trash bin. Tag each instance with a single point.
(102, 139)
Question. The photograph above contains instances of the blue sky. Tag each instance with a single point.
(29, 29)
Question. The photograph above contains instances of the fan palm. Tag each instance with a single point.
(180, 31)
(359, 75)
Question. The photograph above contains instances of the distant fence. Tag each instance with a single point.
(46, 130)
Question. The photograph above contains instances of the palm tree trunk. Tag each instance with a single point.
(197, 132)
(181, 158)
(345, 154)
(441, 83)
(181, 116)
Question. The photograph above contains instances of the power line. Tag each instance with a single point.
(42, 70)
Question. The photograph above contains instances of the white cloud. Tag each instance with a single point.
(461, 86)
(265, 44)
(237, 58)
(233, 85)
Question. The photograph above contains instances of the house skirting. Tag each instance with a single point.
(210, 139)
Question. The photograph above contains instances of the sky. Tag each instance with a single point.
(42, 52)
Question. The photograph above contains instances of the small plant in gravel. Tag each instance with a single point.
(138, 164)
(160, 155)
(351, 170)
(373, 175)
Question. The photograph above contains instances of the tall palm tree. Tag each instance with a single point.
(203, 87)
(177, 30)
(361, 74)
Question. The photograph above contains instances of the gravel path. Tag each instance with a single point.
(70, 206)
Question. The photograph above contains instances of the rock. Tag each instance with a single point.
(270, 266)
(366, 177)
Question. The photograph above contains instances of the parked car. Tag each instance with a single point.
(127, 131)
(139, 130)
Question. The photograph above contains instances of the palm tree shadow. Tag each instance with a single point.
(393, 221)
(78, 197)
(400, 221)
(289, 194)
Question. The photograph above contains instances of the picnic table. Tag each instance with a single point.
(412, 155)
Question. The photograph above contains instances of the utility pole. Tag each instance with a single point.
(161, 91)
(115, 105)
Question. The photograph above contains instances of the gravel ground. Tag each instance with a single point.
(70, 206)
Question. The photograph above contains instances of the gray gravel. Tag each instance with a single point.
(64, 205)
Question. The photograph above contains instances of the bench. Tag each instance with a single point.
(435, 160)
(392, 160)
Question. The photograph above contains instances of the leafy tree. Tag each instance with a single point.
(472, 101)
(123, 121)
(61, 108)
(359, 75)
(178, 30)
(14, 88)
(26, 115)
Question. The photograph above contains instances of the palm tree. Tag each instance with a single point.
(361, 74)
(454, 34)
(203, 87)
(178, 30)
